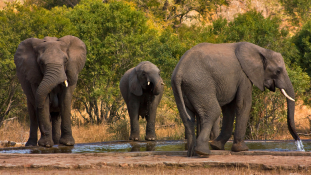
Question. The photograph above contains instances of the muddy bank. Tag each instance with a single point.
(264, 160)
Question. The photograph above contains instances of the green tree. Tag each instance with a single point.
(302, 41)
(298, 9)
(117, 38)
(49, 4)
(175, 11)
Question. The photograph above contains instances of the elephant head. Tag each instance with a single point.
(266, 69)
(145, 77)
(49, 62)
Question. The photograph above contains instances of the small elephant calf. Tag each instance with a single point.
(142, 89)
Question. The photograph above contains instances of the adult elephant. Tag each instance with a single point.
(142, 89)
(214, 78)
(48, 71)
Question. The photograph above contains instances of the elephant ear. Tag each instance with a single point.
(134, 84)
(76, 51)
(252, 62)
(25, 59)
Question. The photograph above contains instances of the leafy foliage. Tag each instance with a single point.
(117, 39)
(302, 41)
(298, 9)
(49, 4)
(175, 11)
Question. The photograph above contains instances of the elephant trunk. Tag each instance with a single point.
(158, 85)
(291, 108)
(54, 75)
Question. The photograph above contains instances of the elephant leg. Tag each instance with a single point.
(198, 126)
(66, 132)
(215, 129)
(56, 126)
(244, 104)
(133, 109)
(207, 118)
(150, 128)
(45, 125)
(228, 112)
(33, 134)
(189, 132)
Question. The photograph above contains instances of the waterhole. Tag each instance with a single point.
(173, 145)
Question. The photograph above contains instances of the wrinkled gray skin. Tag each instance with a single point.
(214, 132)
(142, 99)
(215, 129)
(214, 78)
(42, 67)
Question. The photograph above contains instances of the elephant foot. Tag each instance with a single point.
(46, 141)
(134, 137)
(31, 142)
(237, 147)
(217, 145)
(191, 151)
(150, 137)
(202, 150)
(67, 140)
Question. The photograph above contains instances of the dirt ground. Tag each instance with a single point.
(155, 171)
(219, 162)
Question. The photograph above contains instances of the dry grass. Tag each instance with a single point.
(14, 131)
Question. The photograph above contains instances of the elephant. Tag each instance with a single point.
(142, 89)
(214, 78)
(48, 71)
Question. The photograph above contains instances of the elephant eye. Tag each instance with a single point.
(144, 73)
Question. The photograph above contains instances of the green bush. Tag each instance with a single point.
(117, 38)
(302, 41)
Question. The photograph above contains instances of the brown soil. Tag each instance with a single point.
(219, 162)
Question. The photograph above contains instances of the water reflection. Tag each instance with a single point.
(174, 145)
(143, 147)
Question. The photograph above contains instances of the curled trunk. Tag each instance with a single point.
(53, 76)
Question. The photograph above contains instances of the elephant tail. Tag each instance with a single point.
(176, 84)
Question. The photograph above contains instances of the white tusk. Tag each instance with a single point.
(66, 83)
(148, 83)
(162, 83)
(287, 96)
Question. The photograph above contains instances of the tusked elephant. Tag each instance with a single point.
(48, 71)
(214, 78)
(142, 89)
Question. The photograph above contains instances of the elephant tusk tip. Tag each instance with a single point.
(162, 83)
(286, 95)
(148, 83)
(66, 83)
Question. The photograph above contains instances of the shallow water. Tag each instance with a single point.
(125, 146)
